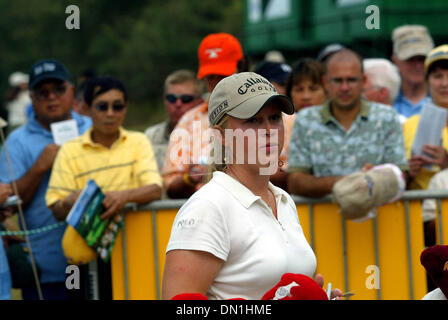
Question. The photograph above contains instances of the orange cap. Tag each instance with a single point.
(219, 53)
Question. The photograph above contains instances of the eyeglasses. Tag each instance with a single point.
(185, 98)
(351, 81)
(43, 93)
(104, 106)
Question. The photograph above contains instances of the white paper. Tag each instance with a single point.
(430, 126)
(64, 130)
(11, 201)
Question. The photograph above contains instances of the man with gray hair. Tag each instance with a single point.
(382, 83)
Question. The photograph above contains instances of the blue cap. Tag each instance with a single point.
(274, 71)
(47, 69)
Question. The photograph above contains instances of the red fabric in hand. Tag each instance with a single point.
(295, 287)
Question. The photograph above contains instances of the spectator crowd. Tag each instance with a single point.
(351, 114)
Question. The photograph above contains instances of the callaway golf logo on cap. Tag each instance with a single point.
(256, 83)
(242, 95)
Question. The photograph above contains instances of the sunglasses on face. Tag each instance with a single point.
(185, 98)
(104, 106)
(44, 93)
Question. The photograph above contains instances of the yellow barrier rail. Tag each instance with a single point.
(375, 259)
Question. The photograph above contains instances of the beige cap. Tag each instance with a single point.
(360, 192)
(411, 40)
(242, 96)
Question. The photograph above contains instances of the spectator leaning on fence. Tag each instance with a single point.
(185, 167)
(182, 91)
(32, 151)
(436, 66)
(422, 168)
(121, 162)
(344, 135)
(411, 44)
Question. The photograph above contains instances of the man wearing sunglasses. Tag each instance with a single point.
(182, 92)
(184, 172)
(32, 152)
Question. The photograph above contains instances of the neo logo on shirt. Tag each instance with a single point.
(186, 223)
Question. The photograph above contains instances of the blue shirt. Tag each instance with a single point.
(405, 107)
(25, 145)
(5, 276)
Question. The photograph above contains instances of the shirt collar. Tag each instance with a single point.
(166, 130)
(86, 138)
(241, 192)
(327, 116)
(34, 126)
(401, 98)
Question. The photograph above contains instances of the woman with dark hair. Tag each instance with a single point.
(305, 88)
(436, 72)
(304, 85)
(428, 170)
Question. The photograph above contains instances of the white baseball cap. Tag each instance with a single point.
(18, 78)
(242, 96)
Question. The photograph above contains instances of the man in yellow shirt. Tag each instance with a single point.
(121, 162)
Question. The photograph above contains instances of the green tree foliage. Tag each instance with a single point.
(139, 41)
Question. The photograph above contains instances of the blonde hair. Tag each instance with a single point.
(221, 165)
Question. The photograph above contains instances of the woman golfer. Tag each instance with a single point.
(237, 235)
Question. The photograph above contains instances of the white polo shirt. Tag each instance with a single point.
(227, 220)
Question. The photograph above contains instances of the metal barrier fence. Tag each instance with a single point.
(375, 259)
